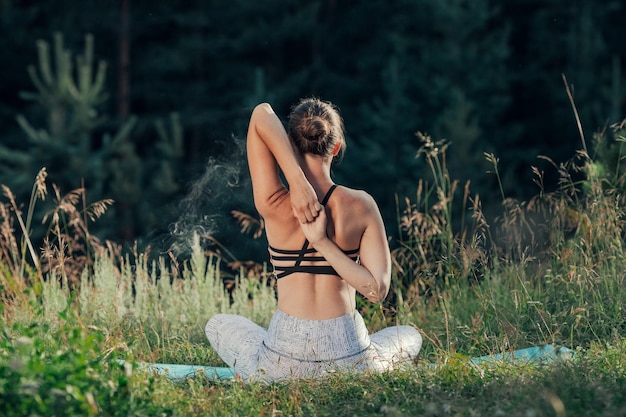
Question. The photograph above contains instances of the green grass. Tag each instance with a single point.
(550, 270)
(452, 389)
(72, 371)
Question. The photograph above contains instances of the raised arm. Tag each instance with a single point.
(269, 148)
(372, 276)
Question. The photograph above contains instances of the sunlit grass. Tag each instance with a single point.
(550, 270)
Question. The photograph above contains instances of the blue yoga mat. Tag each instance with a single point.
(544, 353)
(177, 372)
(535, 354)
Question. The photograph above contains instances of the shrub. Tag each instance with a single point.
(64, 371)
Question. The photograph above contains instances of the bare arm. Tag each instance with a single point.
(372, 276)
(268, 148)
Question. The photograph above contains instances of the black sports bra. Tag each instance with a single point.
(281, 271)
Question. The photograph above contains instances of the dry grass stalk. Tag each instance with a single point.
(10, 249)
(69, 247)
(250, 225)
(431, 253)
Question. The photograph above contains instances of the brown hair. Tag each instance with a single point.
(315, 127)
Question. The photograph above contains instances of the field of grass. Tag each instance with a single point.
(547, 271)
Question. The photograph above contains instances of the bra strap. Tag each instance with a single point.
(302, 252)
(327, 196)
(306, 241)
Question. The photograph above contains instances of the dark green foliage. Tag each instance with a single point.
(70, 94)
(78, 153)
(549, 39)
(609, 149)
(484, 75)
(433, 64)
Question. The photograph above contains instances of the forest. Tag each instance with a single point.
(492, 135)
(146, 103)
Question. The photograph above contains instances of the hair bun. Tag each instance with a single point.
(316, 128)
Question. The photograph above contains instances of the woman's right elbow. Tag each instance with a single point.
(381, 294)
(377, 296)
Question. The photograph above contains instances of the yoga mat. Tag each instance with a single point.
(178, 372)
(535, 354)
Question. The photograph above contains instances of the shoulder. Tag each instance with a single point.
(355, 194)
(358, 201)
(356, 215)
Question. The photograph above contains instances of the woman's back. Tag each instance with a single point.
(350, 221)
(309, 294)
(322, 255)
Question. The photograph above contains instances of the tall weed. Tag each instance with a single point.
(547, 270)
(432, 254)
(157, 301)
(161, 304)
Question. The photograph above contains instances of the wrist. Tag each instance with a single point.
(295, 177)
(321, 244)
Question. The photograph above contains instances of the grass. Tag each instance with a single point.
(550, 270)
(452, 389)
(68, 372)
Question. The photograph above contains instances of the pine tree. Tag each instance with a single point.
(76, 151)
(69, 93)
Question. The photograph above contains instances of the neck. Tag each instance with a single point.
(317, 171)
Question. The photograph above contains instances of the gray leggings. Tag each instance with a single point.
(297, 348)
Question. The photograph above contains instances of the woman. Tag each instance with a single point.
(322, 253)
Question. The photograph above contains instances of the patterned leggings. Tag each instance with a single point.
(297, 348)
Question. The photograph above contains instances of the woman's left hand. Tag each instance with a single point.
(315, 231)
(304, 201)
